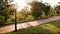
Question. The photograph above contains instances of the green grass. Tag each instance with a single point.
(47, 28)
(57, 14)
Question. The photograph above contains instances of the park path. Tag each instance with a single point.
(10, 28)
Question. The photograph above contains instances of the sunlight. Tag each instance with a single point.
(21, 4)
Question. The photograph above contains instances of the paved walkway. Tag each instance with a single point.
(10, 28)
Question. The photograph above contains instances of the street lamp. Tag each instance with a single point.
(15, 21)
(15, 7)
(15, 15)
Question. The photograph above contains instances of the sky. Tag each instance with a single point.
(22, 3)
(51, 2)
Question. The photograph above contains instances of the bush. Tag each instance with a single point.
(1, 20)
(11, 18)
(30, 17)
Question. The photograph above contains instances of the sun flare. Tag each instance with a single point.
(20, 4)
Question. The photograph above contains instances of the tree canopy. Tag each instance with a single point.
(38, 8)
(5, 9)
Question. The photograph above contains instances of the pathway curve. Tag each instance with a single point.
(10, 28)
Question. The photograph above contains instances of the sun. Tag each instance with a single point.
(20, 4)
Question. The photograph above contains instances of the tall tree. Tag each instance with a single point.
(38, 8)
(47, 9)
(57, 8)
(5, 9)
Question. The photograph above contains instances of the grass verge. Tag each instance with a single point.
(47, 28)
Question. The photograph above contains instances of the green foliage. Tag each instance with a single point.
(30, 17)
(36, 10)
(11, 19)
(1, 20)
(57, 9)
(5, 9)
(39, 9)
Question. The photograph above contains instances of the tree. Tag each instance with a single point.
(38, 9)
(5, 9)
(47, 9)
(57, 8)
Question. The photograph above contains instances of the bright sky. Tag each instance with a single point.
(22, 3)
(51, 2)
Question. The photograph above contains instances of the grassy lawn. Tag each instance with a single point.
(58, 15)
(47, 28)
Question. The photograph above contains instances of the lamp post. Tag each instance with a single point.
(15, 20)
(15, 6)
